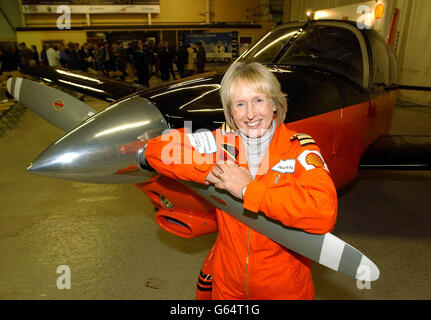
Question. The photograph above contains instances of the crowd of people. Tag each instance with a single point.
(137, 60)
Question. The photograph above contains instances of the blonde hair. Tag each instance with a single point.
(261, 79)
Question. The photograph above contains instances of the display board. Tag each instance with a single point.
(220, 45)
(92, 6)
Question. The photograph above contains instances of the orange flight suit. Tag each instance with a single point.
(292, 186)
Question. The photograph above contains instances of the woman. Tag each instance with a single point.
(274, 170)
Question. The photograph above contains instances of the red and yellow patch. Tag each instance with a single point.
(58, 104)
(231, 151)
(315, 160)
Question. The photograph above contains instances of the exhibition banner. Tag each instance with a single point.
(93, 7)
(217, 45)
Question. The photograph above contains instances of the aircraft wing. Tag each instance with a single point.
(86, 83)
(398, 152)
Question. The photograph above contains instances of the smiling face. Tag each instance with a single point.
(251, 109)
(251, 97)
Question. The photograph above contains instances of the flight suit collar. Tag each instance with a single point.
(275, 151)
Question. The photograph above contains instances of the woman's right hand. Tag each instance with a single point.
(232, 178)
(211, 178)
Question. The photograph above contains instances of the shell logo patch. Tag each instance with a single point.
(312, 159)
(315, 160)
(58, 104)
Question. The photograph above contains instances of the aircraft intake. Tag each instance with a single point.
(103, 148)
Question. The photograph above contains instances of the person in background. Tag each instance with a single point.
(115, 54)
(123, 60)
(85, 57)
(95, 54)
(152, 51)
(25, 55)
(105, 58)
(245, 263)
(164, 61)
(43, 57)
(172, 58)
(10, 59)
(100, 58)
(109, 58)
(53, 56)
(120, 59)
(200, 57)
(64, 56)
(182, 59)
(190, 63)
(141, 60)
(35, 54)
(74, 60)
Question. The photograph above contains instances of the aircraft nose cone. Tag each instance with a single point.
(54, 161)
(103, 149)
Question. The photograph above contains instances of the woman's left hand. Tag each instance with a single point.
(232, 178)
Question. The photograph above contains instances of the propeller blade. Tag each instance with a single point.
(55, 106)
(326, 249)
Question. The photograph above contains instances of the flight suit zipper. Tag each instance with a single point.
(246, 263)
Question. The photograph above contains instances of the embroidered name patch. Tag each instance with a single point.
(285, 166)
(311, 159)
(203, 141)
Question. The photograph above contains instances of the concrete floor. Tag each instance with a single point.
(108, 237)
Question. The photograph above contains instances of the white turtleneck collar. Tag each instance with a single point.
(255, 148)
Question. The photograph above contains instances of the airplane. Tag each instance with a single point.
(341, 85)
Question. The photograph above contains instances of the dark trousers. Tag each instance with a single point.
(164, 72)
(181, 69)
(200, 67)
(171, 70)
(143, 74)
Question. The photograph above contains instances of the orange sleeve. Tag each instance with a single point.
(305, 199)
(177, 155)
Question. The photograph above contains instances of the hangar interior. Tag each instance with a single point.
(106, 233)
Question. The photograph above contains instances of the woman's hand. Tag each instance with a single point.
(231, 178)
(211, 178)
